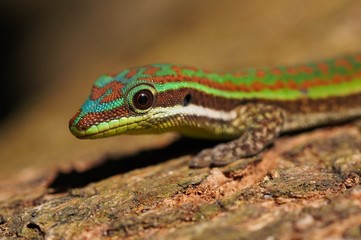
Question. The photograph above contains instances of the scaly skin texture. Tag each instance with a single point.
(250, 107)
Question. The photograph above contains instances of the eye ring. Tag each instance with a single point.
(143, 99)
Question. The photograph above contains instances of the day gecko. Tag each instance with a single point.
(249, 108)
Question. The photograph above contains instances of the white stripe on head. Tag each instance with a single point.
(194, 110)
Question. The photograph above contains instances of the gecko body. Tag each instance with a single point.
(249, 108)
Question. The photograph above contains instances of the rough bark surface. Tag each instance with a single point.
(305, 186)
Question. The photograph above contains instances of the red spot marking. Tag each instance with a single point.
(99, 92)
(357, 74)
(309, 84)
(292, 70)
(300, 69)
(337, 79)
(306, 69)
(131, 73)
(240, 74)
(276, 71)
(244, 88)
(277, 85)
(343, 63)
(318, 82)
(258, 86)
(151, 70)
(208, 82)
(260, 73)
(324, 68)
(187, 68)
(292, 84)
(228, 85)
(348, 78)
(191, 68)
(177, 70)
(358, 58)
(324, 82)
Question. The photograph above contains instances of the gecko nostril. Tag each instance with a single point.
(81, 126)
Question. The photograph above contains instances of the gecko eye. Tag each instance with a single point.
(143, 99)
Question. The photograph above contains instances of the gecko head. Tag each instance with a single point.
(132, 102)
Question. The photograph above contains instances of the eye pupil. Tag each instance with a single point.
(143, 99)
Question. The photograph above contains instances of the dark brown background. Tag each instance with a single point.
(52, 51)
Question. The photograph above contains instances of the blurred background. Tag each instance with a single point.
(52, 51)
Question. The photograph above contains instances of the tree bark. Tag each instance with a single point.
(305, 186)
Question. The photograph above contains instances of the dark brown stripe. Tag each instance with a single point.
(176, 97)
(304, 105)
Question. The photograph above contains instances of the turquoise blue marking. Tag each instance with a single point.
(103, 80)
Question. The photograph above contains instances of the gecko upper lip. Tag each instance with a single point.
(81, 134)
(96, 131)
(107, 129)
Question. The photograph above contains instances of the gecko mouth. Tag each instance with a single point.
(83, 134)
